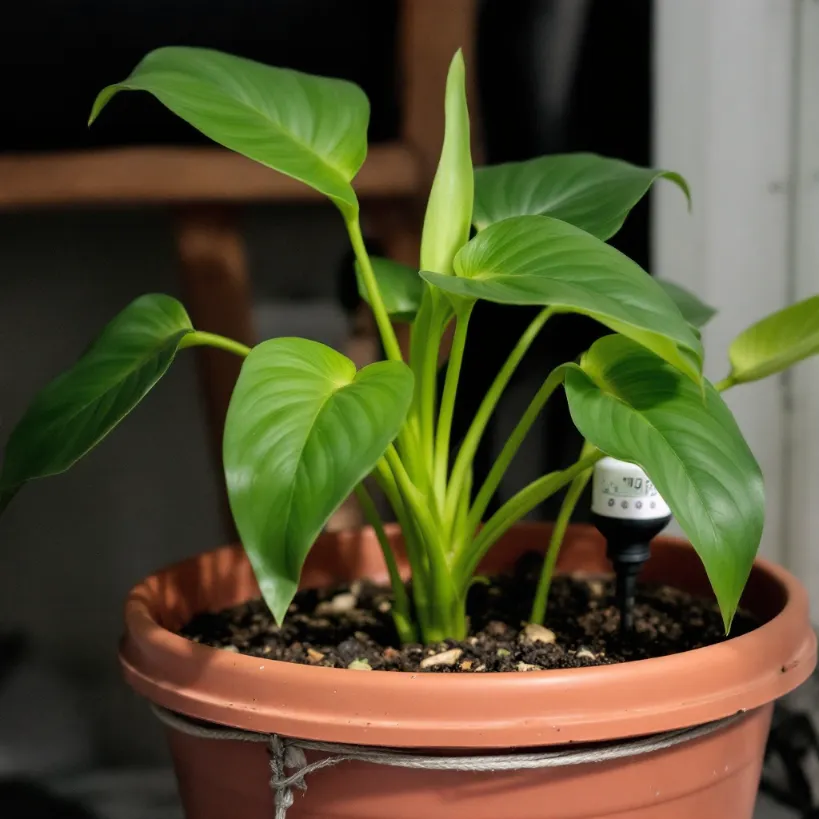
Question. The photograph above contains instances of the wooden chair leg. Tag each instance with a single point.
(216, 290)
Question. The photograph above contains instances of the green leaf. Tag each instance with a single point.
(634, 407)
(695, 311)
(542, 261)
(302, 429)
(77, 410)
(586, 190)
(449, 211)
(311, 128)
(776, 343)
(400, 285)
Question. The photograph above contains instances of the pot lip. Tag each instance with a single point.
(426, 709)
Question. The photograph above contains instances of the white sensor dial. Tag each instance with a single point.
(622, 490)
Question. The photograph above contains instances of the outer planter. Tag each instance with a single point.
(710, 778)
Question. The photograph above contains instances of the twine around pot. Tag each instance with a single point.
(287, 754)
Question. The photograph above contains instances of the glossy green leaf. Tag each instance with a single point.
(695, 311)
(586, 190)
(776, 342)
(543, 261)
(311, 128)
(303, 428)
(634, 407)
(400, 285)
(449, 211)
(78, 409)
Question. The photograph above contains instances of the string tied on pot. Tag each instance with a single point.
(288, 754)
(283, 757)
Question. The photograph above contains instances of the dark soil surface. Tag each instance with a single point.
(351, 626)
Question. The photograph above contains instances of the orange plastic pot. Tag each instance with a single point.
(714, 777)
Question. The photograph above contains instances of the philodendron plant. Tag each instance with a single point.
(305, 428)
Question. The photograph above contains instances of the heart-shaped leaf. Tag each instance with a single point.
(776, 343)
(302, 429)
(634, 407)
(448, 216)
(311, 128)
(543, 261)
(589, 191)
(695, 311)
(78, 409)
(400, 285)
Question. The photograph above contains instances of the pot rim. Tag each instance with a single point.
(488, 710)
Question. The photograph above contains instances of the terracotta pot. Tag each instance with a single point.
(714, 777)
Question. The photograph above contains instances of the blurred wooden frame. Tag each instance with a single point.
(205, 186)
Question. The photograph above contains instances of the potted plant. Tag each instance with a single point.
(305, 430)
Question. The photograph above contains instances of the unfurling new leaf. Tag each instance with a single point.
(449, 209)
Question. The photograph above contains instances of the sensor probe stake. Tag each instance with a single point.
(629, 513)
